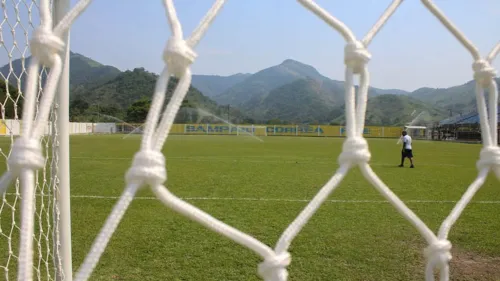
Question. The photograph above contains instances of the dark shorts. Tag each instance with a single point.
(407, 153)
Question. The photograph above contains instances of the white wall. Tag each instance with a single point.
(80, 128)
(106, 128)
(13, 127)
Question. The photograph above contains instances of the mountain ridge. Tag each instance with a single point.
(84, 73)
(213, 84)
(291, 91)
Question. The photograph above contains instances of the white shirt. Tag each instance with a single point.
(407, 142)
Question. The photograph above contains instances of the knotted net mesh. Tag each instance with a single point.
(148, 167)
(19, 19)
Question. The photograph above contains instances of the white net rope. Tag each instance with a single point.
(148, 167)
(40, 230)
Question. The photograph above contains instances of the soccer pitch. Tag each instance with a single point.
(259, 188)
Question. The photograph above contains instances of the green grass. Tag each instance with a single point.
(345, 240)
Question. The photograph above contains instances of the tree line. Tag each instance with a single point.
(83, 111)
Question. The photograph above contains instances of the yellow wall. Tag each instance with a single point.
(3, 128)
(285, 130)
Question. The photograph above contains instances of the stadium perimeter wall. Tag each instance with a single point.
(13, 127)
(283, 130)
(275, 130)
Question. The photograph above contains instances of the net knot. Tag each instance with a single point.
(355, 151)
(178, 56)
(438, 253)
(356, 56)
(483, 72)
(26, 153)
(148, 167)
(45, 45)
(273, 268)
(489, 157)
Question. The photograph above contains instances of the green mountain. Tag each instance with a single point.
(128, 97)
(388, 91)
(132, 85)
(251, 95)
(301, 101)
(254, 88)
(121, 91)
(291, 92)
(212, 85)
(84, 72)
(395, 110)
(104, 93)
(308, 100)
(457, 99)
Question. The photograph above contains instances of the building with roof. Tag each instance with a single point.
(465, 127)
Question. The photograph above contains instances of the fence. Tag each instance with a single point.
(283, 130)
(269, 130)
(13, 127)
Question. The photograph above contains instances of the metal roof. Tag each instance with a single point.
(472, 120)
(469, 118)
(457, 118)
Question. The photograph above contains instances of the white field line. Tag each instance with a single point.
(261, 159)
(272, 199)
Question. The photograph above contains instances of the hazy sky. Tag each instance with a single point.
(413, 50)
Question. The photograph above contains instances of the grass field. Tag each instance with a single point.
(260, 187)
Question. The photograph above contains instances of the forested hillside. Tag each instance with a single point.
(291, 92)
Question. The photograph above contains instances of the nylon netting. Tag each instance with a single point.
(148, 167)
(17, 26)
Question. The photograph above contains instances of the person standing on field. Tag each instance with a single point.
(407, 150)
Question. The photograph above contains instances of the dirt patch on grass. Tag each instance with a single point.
(467, 265)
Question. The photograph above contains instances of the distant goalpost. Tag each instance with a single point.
(418, 132)
(35, 185)
(253, 130)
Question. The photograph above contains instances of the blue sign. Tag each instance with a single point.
(203, 128)
(216, 129)
(294, 129)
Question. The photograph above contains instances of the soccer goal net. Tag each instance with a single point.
(35, 236)
(34, 217)
(418, 132)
